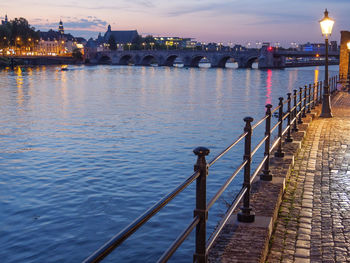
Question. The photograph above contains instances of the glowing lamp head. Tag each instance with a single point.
(269, 48)
(348, 45)
(326, 24)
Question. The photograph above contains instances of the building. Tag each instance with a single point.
(121, 37)
(57, 43)
(176, 42)
(319, 47)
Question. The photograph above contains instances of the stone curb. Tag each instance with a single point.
(249, 242)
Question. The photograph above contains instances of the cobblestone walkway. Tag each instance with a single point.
(314, 218)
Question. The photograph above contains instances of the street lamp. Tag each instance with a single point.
(326, 27)
(129, 44)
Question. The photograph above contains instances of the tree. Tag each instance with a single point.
(18, 32)
(112, 43)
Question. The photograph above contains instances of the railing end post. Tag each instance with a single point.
(200, 254)
(246, 215)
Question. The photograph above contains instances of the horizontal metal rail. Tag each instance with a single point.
(259, 145)
(177, 243)
(302, 102)
(225, 219)
(130, 229)
(258, 123)
(226, 184)
(257, 170)
(241, 137)
(275, 127)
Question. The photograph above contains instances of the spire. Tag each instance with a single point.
(61, 28)
(6, 21)
(109, 28)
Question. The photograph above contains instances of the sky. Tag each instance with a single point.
(226, 21)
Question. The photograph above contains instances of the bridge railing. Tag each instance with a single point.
(290, 112)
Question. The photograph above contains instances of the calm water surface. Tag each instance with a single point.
(84, 151)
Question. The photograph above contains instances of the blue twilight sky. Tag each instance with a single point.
(236, 21)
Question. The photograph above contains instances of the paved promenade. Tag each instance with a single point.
(314, 218)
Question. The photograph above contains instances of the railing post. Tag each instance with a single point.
(309, 100)
(316, 93)
(300, 121)
(266, 175)
(304, 109)
(321, 88)
(313, 102)
(246, 214)
(279, 152)
(201, 204)
(295, 128)
(289, 137)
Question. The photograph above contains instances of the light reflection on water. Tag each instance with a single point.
(84, 151)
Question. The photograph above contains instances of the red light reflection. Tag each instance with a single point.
(268, 86)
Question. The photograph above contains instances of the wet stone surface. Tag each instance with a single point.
(313, 224)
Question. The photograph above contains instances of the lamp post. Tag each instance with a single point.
(326, 27)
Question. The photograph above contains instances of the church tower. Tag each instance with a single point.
(60, 28)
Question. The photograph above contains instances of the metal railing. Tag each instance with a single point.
(303, 101)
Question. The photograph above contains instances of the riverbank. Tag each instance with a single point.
(292, 224)
(36, 61)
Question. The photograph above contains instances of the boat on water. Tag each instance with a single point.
(64, 67)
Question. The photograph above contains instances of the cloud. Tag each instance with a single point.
(89, 23)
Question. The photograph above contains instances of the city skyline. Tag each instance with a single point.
(210, 21)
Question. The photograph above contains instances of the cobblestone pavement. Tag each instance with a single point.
(314, 217)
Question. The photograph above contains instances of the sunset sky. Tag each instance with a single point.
(237, 21)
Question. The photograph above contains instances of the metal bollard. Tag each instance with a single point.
(246, 214)
(289, 137)
(266, 175)
(279, 152)
(200, 255)
(295, 128)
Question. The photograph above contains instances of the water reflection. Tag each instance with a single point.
(19, 81)
(268, 87)
(316, 76)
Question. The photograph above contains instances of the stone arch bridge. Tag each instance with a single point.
(189, 58)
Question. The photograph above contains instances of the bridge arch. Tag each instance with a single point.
(195, 60)
(222, 61)
(125, 60)
(250, 61)
(148, 60)
(104, 59)
(170, 60)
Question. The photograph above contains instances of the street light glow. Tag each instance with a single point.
(326, 24)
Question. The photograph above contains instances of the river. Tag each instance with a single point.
(85, 151)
